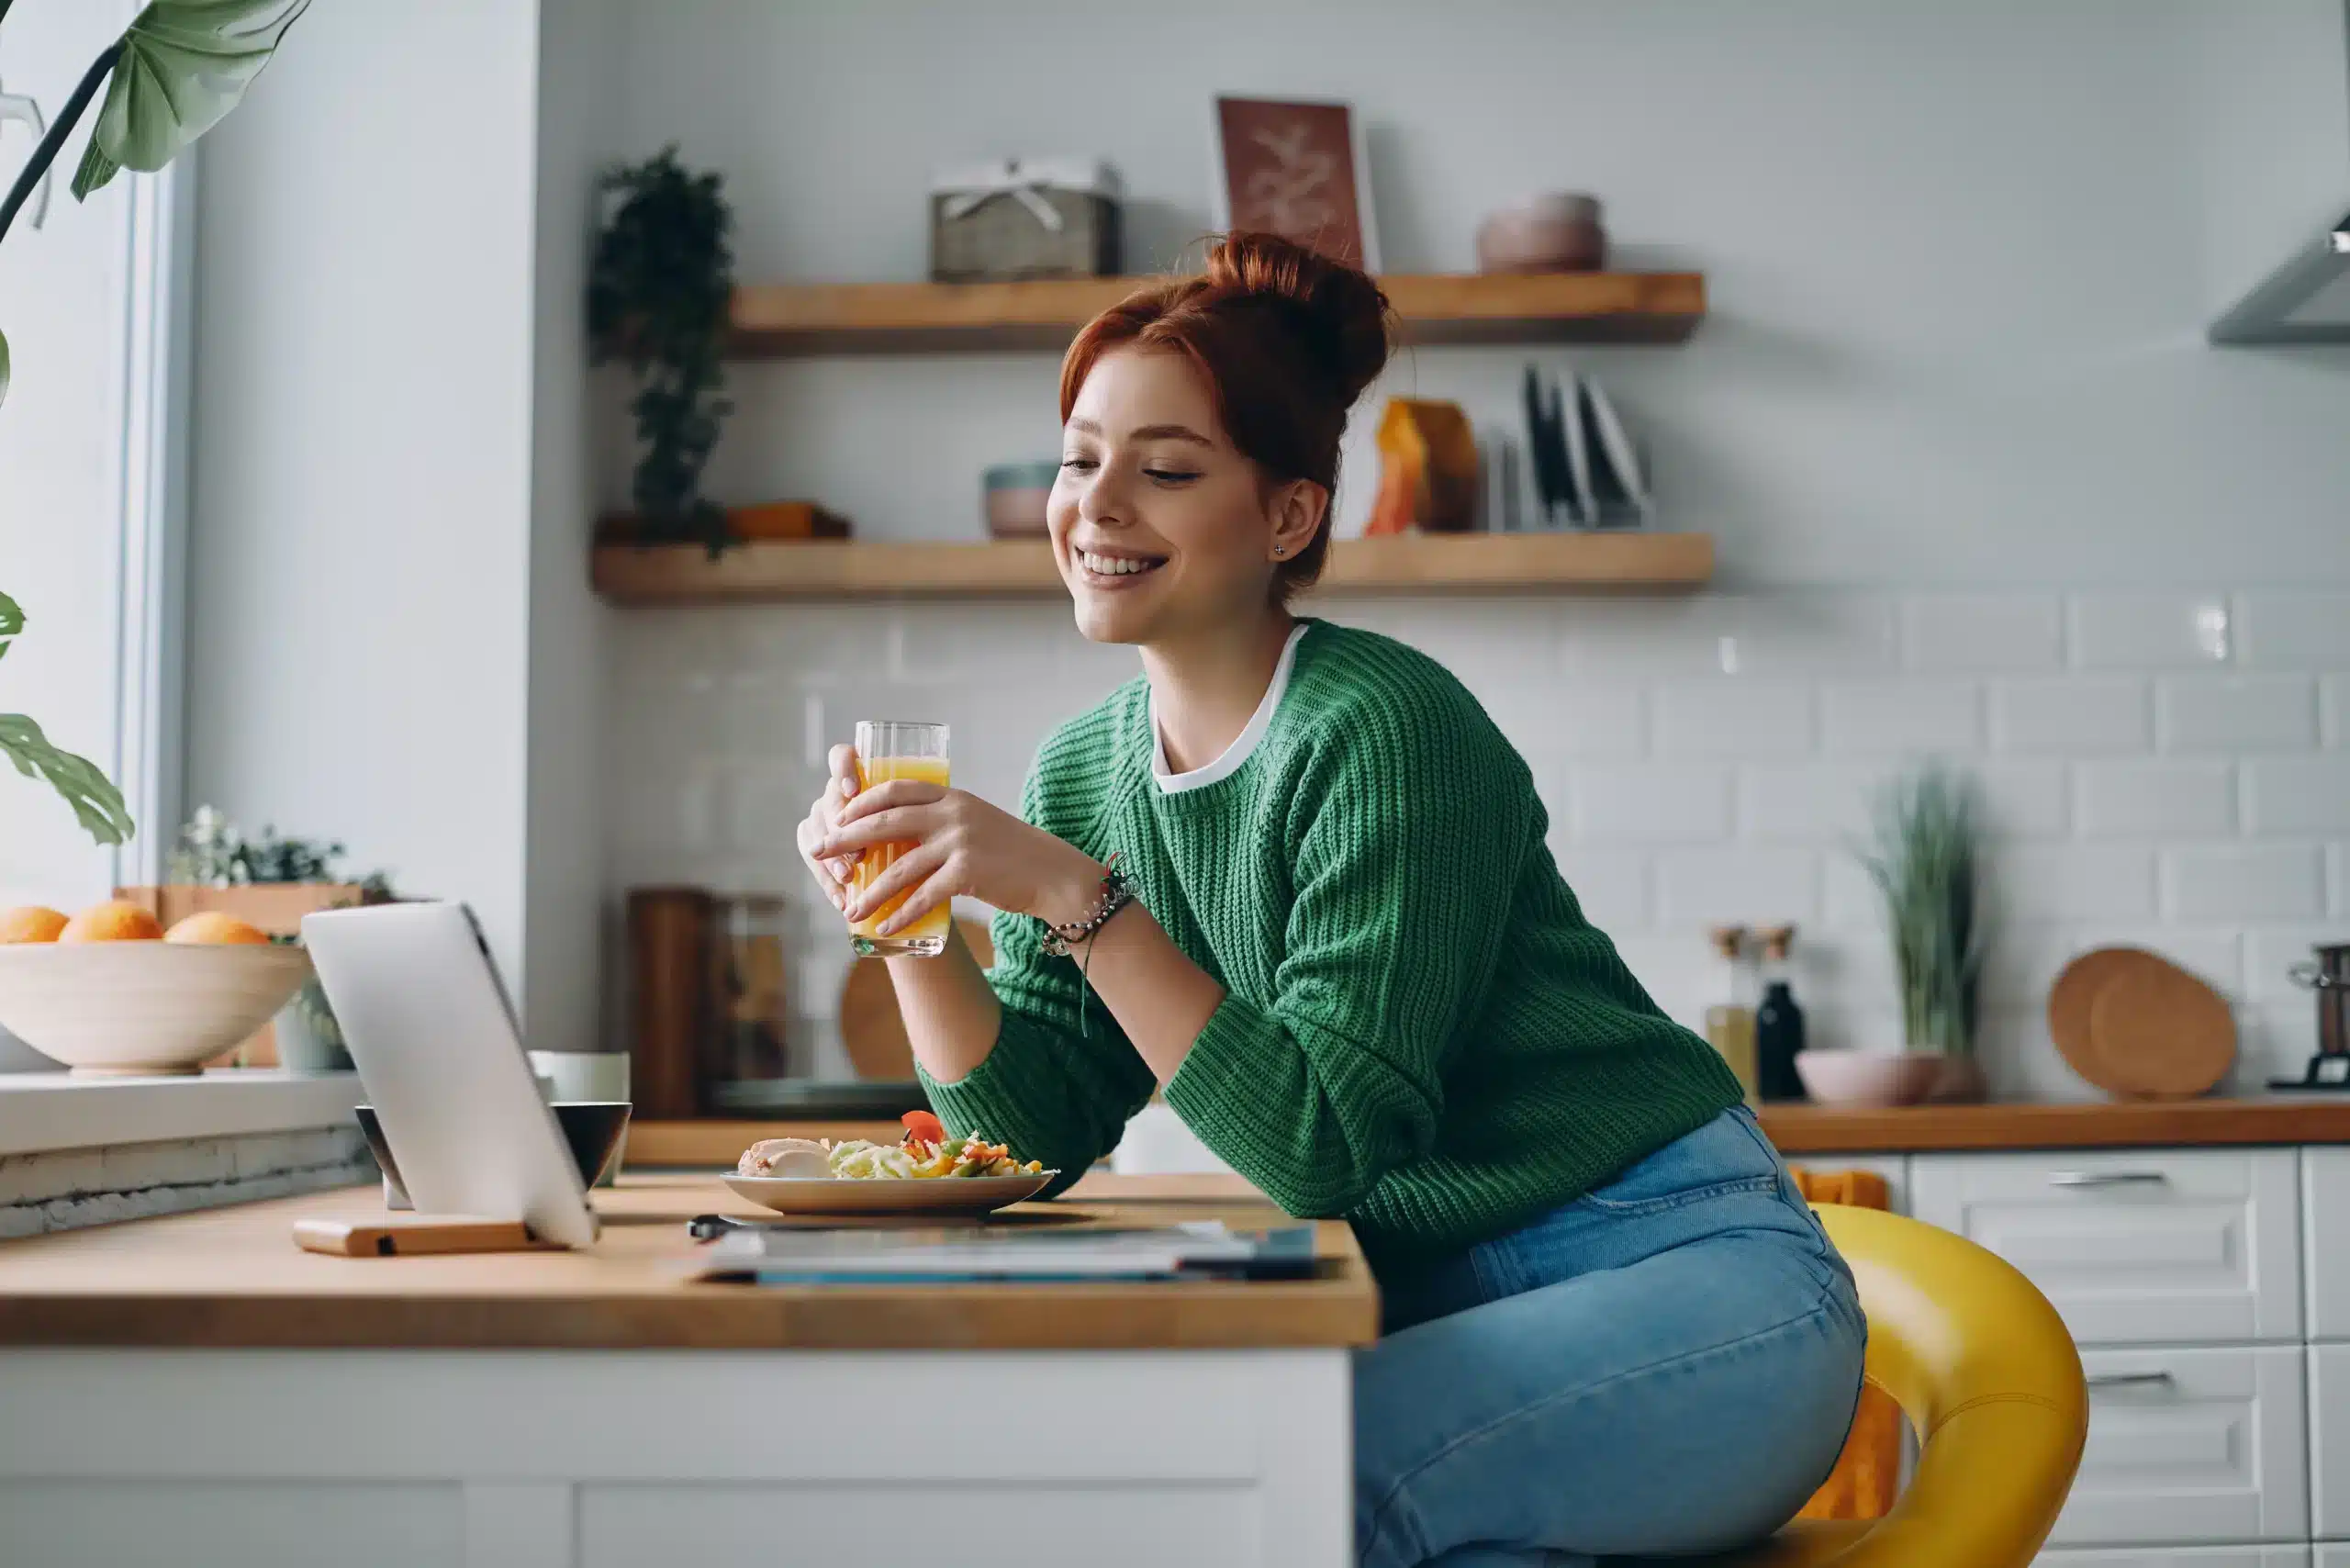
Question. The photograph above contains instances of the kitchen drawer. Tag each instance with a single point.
(2325, 1220)
(2190, 1446)
(2146, 1247)
(2179, 1557)
(2330, 1441)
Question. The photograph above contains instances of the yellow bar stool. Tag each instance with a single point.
(1987, 1375)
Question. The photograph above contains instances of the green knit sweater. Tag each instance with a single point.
(1422, 1034)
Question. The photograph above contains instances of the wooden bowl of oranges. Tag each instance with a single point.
(111, 994)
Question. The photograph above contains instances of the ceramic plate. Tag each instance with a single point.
(886, 1195)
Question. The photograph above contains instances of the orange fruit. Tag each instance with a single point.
(30, 923)
(113, 920)
(213, 928)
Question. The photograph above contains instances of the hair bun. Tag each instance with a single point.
(1337, 309)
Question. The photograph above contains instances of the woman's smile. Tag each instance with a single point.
(1112, 568)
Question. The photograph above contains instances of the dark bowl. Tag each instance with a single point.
(592, 1128)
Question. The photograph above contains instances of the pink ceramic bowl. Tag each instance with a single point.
(1868, 1078)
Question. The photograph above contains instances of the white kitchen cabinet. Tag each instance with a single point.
(2136, 1247)
(2202, 1444)
(2179, 1557)
(2325, 1239)
(2330, 1441)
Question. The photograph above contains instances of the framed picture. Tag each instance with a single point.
(1296, 167)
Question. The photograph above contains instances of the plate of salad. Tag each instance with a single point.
(926, 1172)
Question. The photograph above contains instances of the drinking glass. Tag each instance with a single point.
(887, 749)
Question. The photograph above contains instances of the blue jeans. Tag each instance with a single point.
(1667, 1365)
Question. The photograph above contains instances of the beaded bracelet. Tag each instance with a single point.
(1117, 895)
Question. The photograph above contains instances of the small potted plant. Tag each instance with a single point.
(1928, 864)
(270, 883)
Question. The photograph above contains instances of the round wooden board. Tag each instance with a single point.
(872, 1031)
(2071, 998)
(2160, 1034)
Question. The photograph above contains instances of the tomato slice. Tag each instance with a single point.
(923, 1127)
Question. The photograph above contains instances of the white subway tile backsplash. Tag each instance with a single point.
(1592, 719)
(1650, 801)
(1805, 801)
(2243, 882)
(2288, 629)
(2297, 794)
(1749, 883)
(2250, 713)
(1702, 758)
(1893, 716)
(2149, 631)
(1610, 882)
(2141, 798)
(2025, 797)
(1967, 632)
(1762, 635)
(2079, 882)
(2070, 716)
(1733, 718)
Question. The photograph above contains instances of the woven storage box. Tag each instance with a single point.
(1023, 218)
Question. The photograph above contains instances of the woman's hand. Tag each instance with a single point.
(963, 846)
(832, 873)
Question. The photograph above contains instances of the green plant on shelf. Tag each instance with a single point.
(174, 74)
(213, 851)
(1927, 863)
(659, 287)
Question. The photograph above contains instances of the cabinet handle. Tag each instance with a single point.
(2107, 1178)
(2132, 1380)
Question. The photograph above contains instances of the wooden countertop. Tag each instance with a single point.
(1798, 1130)
(233, 1277)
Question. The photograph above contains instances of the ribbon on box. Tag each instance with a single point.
(1025, 189)
(1025, 183)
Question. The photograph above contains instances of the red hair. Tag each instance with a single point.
(1287, 340)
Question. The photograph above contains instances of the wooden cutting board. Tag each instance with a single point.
(2138, 1026)
(872, 1031)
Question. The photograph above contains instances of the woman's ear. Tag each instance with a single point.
(1296, 511)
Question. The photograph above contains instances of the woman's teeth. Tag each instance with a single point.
(1113, 565)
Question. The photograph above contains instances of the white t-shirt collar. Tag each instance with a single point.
(1244, 743)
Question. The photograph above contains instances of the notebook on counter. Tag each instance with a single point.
(1205, 1250)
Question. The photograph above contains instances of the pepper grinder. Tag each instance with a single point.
(1778, 1022)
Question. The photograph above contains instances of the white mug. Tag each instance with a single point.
(600, 1076)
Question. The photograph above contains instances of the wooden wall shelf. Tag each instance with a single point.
(774, 320)
(1480, 563)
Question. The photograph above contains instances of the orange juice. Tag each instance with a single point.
(927, 935)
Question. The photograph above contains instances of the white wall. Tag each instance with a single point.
(362, 474)
(61, 294)
(1960, 257)
(578, 74)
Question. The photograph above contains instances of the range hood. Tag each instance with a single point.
(2306, 300)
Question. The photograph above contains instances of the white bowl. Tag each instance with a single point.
(119, 1009)
(1869, 1077)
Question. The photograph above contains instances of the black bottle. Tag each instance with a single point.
(1778, 1022)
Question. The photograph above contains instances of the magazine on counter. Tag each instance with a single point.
(1205, 1249)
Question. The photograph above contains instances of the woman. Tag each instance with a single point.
(1294, 877)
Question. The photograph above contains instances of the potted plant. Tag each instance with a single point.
(175, 74)
(659, 287)
(270, 883)
(1926, 862)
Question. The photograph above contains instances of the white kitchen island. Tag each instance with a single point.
(197, 1391)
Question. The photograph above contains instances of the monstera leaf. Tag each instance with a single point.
(96, 801)
(185, 64)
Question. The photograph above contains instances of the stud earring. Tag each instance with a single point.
(1280, 550)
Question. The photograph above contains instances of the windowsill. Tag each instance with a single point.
(44, 1110)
